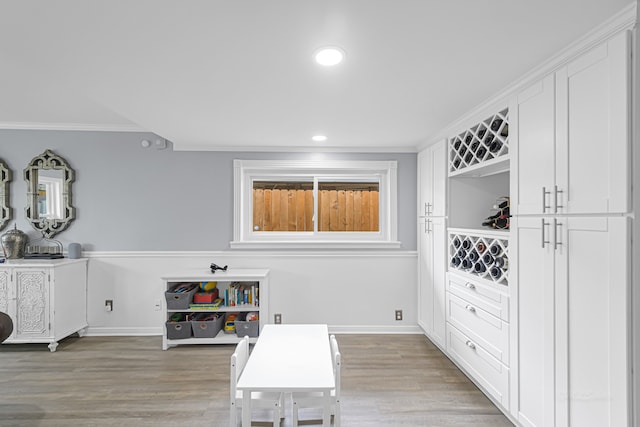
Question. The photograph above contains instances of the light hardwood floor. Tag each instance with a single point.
(388, 380)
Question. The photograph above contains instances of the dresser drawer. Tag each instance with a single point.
(483, 328)
(484, 296)
(483, 368)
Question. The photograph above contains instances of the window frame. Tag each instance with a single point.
(246, 171)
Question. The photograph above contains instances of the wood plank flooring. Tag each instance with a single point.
(388, 380)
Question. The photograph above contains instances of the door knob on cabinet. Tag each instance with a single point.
(470, 286)
(470, 308)
(471, 345)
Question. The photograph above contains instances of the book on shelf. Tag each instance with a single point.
(242, 293)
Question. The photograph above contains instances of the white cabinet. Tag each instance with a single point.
(572, 130)
(478, 332)
(255, 281)
(47, 300)
(432, 177)
(572, 314)
(431, 276)
(432, 180)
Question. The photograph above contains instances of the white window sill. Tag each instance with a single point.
(314, 245)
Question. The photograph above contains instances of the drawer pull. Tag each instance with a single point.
(471, 308)
(470, 285)
(471, 345)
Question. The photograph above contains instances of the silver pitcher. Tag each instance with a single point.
(14, 243)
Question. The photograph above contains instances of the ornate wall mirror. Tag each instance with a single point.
(5, 209)
(49, 180)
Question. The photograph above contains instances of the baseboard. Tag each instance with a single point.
(340, 329)
(123, 332)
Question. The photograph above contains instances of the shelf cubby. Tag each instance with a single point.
(483, 148)
(480, 254)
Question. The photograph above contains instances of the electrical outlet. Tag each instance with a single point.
(157, 306)
(398, 314)
(277, 318)
(108, 305)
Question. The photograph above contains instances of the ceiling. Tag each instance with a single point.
(239, 75)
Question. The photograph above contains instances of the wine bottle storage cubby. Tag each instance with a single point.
(481, 143)
(481, 255)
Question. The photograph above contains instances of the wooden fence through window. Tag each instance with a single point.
(284, 206)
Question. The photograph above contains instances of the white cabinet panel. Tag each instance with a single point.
(572, 316)
(533, 176)
(534, 366)
(593, 101)
(592, 319)
(573, 140)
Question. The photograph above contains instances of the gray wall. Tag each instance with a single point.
(130, 198)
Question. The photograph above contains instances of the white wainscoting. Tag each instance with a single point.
(352, 292)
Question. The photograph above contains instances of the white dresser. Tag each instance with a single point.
(46, 299)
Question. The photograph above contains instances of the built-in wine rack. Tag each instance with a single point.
(481, 143)
(481, 255)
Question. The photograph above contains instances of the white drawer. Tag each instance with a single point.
(481, 295)
(483, 328)
(486, 370)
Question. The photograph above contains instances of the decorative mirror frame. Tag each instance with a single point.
(6, 213)
(48, 226)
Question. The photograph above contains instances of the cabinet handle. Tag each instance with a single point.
(471, 308)
(470, 286)
(544, 199)
(471, 345)
(555, 198)
(543, 239)
(556, 241)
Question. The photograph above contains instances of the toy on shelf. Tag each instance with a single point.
(499, 220)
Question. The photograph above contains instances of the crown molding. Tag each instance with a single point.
(83, 127)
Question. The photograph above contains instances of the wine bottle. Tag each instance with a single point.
(502, 262)
(455, 261)
(481, 247)
(501, 223)
(466, 244)
(495, 250)
(462, 253)
(468, 158)
(462, 150)
(495, 272)
(481, 133)
(467, 138)
(505, 130)
(479, 267)
(488, 140)
(474, 146)
(495, 125)
(487, 259)
(456, 144)
(481, 152)
(473, 256)
(495, 146)
(467, 264)
(456, 242)
(456, 163)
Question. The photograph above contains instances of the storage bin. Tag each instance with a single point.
(249, 328)
(179, 301)
(178, 330)
(207, 328)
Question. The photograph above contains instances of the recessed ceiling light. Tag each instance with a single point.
(319, 138)
(329, 56)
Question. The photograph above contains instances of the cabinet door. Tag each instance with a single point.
(592, 276)
(439, 265)
(593, 104)
(432, 178)
(425, 276)
(533, 164)
(533, 322)
(32, 303)
(431, 275)
(439, 179)
(5, 283)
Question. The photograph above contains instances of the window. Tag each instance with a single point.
(341, 204)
